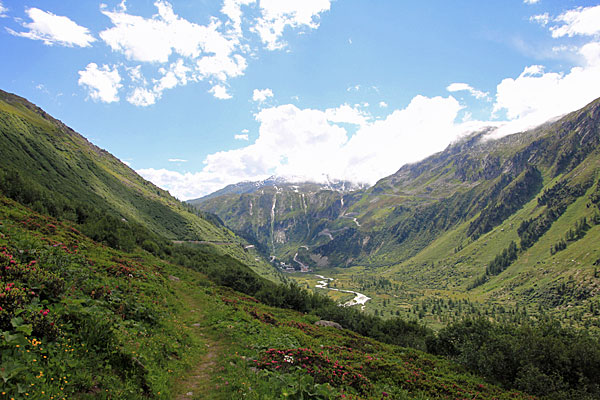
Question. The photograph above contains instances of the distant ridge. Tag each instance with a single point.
(505, 220)
(283, 183)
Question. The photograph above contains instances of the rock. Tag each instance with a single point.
(174, 278)
(329, 323)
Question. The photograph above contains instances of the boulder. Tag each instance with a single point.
(329, 323)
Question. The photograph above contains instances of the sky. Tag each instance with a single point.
(198, 94)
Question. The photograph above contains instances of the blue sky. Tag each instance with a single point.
(197, 94)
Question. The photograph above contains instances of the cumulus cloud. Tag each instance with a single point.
(103, 83)
(155, 39)
(135, 74)
(307, 144)
(177, 160)
(460, 87)
(538, 95)
(241, 136)
(220, 92)
(141, 97)
(580, 21)
(203, 51)
(144, 95)
(180, 51)
(262, 95)
(531, 1)
(277, 15)
(383, 104)
(53, 29)
(380, 148)
(347, 114)
(233, 10)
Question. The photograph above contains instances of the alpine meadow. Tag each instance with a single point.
(300, 199)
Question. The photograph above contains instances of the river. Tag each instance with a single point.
(359, 298)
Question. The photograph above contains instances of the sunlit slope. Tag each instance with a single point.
(477, 180)
(65, 165)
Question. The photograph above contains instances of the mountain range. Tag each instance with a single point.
(110, 288)
(508, 221)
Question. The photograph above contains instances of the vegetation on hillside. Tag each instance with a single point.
(97, 301)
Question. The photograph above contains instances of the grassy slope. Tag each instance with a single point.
(46, 151)
(112, 325)
(37, 145)
(562, 284)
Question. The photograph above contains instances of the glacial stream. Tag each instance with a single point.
(359, 298)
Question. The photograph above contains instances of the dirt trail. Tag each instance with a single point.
(197, 384)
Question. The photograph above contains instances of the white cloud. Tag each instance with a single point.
(53, 29)
(580, 21)
(220, 67)
(215, 51)
(277, 15)
(177, 160)
(243, 136)
(531, 1)
(591, 54)
(536, 96)
(142, 97)
(202, 51)
(220, 92)
(542, 19)
(261, 95)
(3, 10)
(459, 87)
(233, 10)
(135, 74)
(404, 136)
(155, 39)
(245, 131)
(177, 74)
(383, 104)
(305, 143)
(347, 114)
(103, 83)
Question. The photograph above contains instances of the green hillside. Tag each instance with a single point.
(57, 171)
(82, 320)
(99, 302)
(508, 226)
